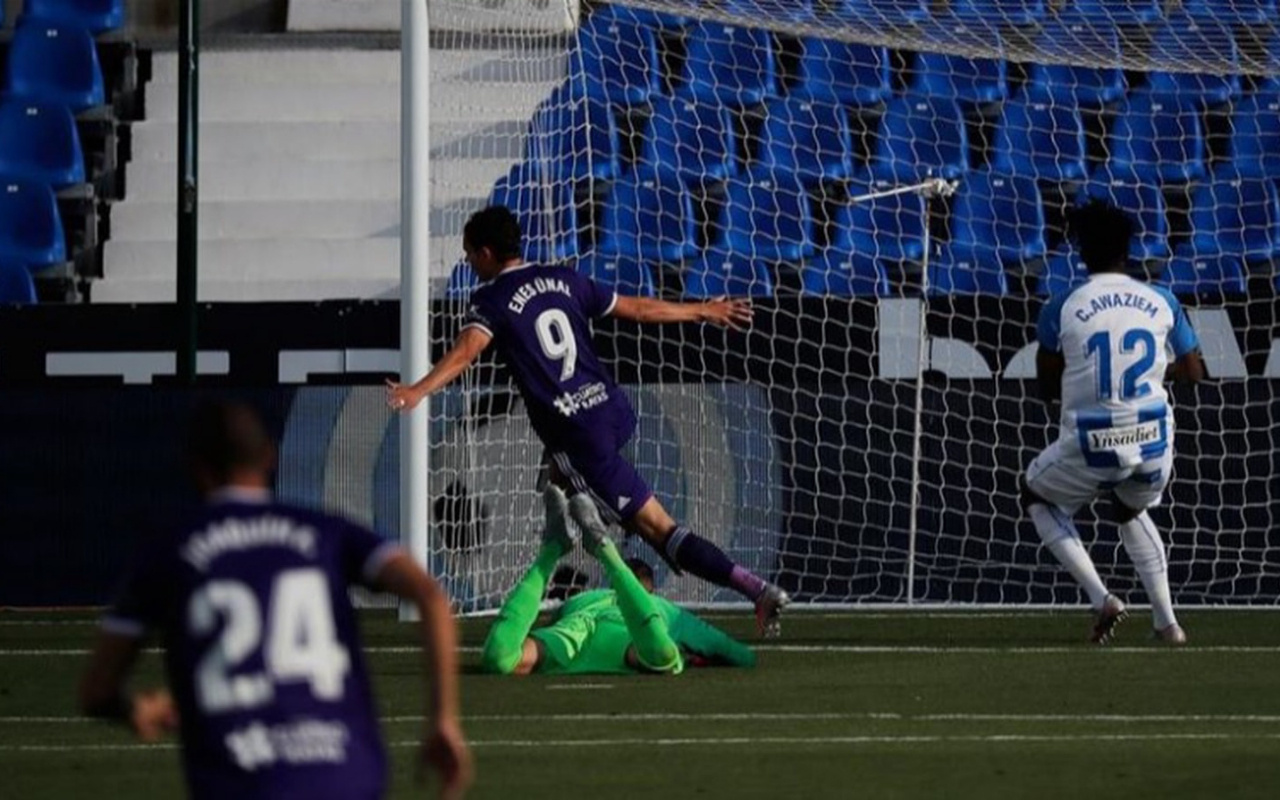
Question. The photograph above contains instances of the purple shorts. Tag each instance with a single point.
(596, 467)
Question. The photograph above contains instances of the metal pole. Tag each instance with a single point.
(415, 288)
(188, 168)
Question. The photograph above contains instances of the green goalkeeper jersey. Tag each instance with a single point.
(589, 635)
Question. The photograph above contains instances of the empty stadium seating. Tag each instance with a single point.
(1041, 139)
(729, 64)
(845, 273)
(1233, 12)
(1072, 85)
(616, 58)
(39, 142)
(1236, 215)
(462, 281)
(883, 11)
(692, 140)
(55, 64)
(98, 16)
(921, 136)
(719, 273)
(890, 228)
(843, 72)
(807, 138)
(547, 212)
(1216, 275)
(1255, 134)
(648, 218)
(628, 276)
(574, 136)
(1159, 138)
(969, 80)
(1062, 270)
(955, 270)
(1182, 40)
(1119, 12)
(999, 214)
(766, 216)
(1006, 12)
(31, 231)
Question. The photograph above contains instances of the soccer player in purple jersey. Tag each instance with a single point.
(538, 317)
(267, 682)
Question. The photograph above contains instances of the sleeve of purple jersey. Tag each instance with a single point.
(598, 300)
(479, 317)
(142, 596)
(364, 553)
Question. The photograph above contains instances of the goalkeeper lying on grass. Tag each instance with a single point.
(618, 630)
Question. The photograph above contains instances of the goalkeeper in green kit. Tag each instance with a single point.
(618, 630)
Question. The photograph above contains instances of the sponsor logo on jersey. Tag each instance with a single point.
(589, 396)
(1127, 436)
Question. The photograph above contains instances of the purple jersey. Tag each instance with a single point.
(261, 649)
(539, 320)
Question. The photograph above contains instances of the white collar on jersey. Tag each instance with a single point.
(240, 494)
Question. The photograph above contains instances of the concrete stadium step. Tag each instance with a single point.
(289, 219)
(284, 66)
(271, 180)
(239, 141)
(260, 290)
(302, 260)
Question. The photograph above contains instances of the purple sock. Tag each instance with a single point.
(701, 557)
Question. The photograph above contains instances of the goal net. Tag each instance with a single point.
(863, 442)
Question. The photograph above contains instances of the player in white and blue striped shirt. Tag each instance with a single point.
(1106, 346)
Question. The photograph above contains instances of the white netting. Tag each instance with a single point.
(693, 149)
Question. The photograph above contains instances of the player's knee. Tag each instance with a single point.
(1121, 512)
(1029, 497)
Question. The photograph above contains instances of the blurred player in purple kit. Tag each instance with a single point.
(268, 684)
(538, 317)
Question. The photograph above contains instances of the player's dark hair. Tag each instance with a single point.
(1101, 234)
(496, 228)
(224, 436)
(641, 569)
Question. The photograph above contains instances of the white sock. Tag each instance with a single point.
(1146, 550)
(1059, 534)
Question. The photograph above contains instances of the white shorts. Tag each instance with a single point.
(1059, 475)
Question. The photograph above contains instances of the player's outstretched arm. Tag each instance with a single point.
(1188, 368)
(722, 311)
(444, 748)
(150, 714)
(466, 349)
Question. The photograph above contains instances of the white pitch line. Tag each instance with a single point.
(575, 686)
(748, 716)
(718, 741)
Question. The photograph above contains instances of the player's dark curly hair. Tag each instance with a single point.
(224, 436)
(641, 569)
(496, 228)
(1101, 233)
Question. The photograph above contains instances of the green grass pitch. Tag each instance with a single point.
(871, 705)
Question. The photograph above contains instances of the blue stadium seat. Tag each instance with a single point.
(627, 276)
(1001, 214)
(1042, 139)
(969, 80)
(1119, 12)
(894, 12)
(807, 138)
(890, 228)
(574, 137)
(546, 210)
(1255, 134)
(718, 273)
(656, 21)
(1001, 12)
(462, 282)
(616, 59)
(956, 270)
(1211, 276)
(39, 142)
(1158, 138)
(767, 217)
(1071, 85)
(692, 140)
(30, 227)
(98, 16)
(55, 64)
(790, 11)
(1237, 215)
(16, 286)
(921, 137)
(729, 64)
(1144, 202)
(843, 72)
(1233, 12)
(649, 218)
(1062, 270)
(1185, 40)
(845, 273)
